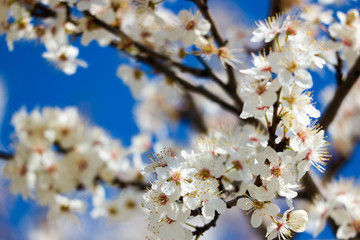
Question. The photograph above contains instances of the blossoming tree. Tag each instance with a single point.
(258, 133)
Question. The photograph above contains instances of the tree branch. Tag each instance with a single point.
(338, 67)
(231, 84)
(204, 9)
(193, 113)
(6, 156)
(200, 230)
(334, 167)
(340, 94)
(187, 85)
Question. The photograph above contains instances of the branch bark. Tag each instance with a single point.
(231, 84)
(340, 94)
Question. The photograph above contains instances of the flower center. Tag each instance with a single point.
(258, 205)
(52, 169)
(63, 57)
(223, 53)
(266, 68)
(237, 164)
(347, 42)
(163, 199)
(190, 25)
(113, 211)
(130, 204)
(82, 164)
(64, 208)
(137, 74)
(302, 135)
(292, 66)
(276, 171)
(23, 170)
(204, 173)
(176, 177)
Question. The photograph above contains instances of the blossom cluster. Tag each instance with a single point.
(58, 154)
(132, 23)
(257, 168)
(341, 205)
(200, 181)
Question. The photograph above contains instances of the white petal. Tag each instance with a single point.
(256, 219)
(303, 78)
(218, 204)
(208, 211)
(244, 203)
(303, 167)
(272, 209)
(345, 232)
(285, 77)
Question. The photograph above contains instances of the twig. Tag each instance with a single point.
(334, 167)
(275, 122)
(40, 10)
(6, 156)
(204, 9)
(231, 84)
(123, 184)
(338, 67)
(194, 114)
(160, 67)
(200, 230)
(230, 87)
(210, 72)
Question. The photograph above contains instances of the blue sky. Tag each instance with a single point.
(30, 81)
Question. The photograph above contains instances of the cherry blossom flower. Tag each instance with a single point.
(291, 221)
(259, 208)
(192, 28)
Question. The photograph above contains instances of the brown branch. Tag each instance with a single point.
(334, 167)
(231, 84)
(160, 67)
(197, 72)
(230, 88)
(123, 184)
(6, 156)
(40, 10)
(193, 113)
(338, 67)
(200, 230)
(275, 121)
(204, 9)
(194, 71)
(210, 71)
(340, 94)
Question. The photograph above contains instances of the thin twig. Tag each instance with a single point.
(160, 67)
(193, 113)
(231, 84)
(6, 156)
(338, 67)
(200, 230)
